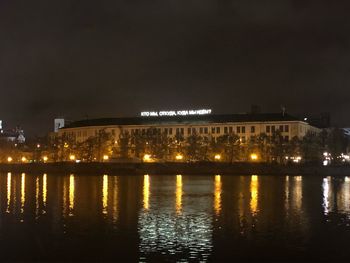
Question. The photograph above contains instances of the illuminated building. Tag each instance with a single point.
(244, 125)
(12, 135)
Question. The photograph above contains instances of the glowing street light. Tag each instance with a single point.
(105, 157)
(23, 159)
(147, 158)
(254, 157)
(217, 157)
(72, 157)
(179, 157)
(45, 158)
(9, 159)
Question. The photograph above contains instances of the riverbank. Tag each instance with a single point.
(176, 168)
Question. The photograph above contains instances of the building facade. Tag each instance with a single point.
(245, 126)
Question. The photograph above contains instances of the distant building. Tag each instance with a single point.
(346, 131)
(244, 125)
(322, 120)
(15, 135)
(58, 124)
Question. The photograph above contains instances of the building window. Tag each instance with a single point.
(217, 129)
(193, 130)
(213, 130)
(201, 130)
(273, 129)
(206, 130)
(225, 130)
(230, 129)
(171, 131)
(238, 129)
(286, 128)
(252, 129)
(281, 128)
(182, 131)
(243, 129)
(166, 131)
(243, 139)
(189, 131)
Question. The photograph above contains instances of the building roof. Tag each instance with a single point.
(193, 119)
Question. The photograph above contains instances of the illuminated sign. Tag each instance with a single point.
(175, 113)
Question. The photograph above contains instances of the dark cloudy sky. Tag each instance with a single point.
(78, 58)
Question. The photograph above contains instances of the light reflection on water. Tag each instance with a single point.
(254, 194)
(8, 192)
(180, 231)
(217, 194)
(178, 194)
(105, 194)
(172, 218)
(23, 192)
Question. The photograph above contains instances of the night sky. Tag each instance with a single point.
(105, 58)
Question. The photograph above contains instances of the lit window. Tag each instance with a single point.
(213, 130)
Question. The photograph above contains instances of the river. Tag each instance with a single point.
(182, 218)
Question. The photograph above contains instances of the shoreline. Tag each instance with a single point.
(207, 168)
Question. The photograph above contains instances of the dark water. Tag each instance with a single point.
(174, 218)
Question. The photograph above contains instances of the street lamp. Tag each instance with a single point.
(179, 157)
(254, 157)
(147, 158)
(217, 157)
